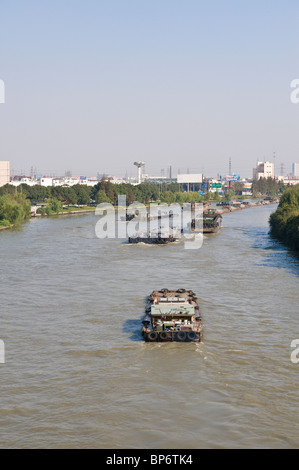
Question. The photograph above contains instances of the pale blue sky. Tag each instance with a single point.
(94, 85)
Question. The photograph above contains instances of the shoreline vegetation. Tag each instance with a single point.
(39, 201)
(14, 209)
(284, 222)
(55, 208)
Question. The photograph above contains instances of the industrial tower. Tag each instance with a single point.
(139, 166)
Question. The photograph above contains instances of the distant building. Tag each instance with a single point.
(68, 181)
(4, 173)
(289, 181)
(295, 169)
(263, 170)
(17, 181)
(117, 180)
(45, 181)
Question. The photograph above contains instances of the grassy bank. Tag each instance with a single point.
(284, 222)
(56, 208)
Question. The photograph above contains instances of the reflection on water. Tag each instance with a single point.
(275, 253)
(132, 327)
(281, 258)
(78, 374)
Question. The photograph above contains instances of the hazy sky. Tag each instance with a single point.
(93, 85)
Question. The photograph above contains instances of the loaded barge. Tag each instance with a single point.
(172, 315)
(161, 235)
(211, 222)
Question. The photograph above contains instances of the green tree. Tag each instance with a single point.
(168, 197)
(55, 206)
(130, 196)
(217, 197)
(229, 195)
(83, 193)
(14, 209)
(8, 189)
(110, 192)
(284, 222)
(237, 187)
(101, 197)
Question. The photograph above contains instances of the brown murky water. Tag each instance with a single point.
(78, 375)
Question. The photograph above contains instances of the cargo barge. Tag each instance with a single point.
(172, 315)
(211, 222)
(162, 236)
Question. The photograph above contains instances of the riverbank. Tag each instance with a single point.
(233, 207)
(230, 207)
(284, 222)
(64, 212)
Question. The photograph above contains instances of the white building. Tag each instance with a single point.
(116, 180)
(46, 181)
(67, 181)
(263, 170)
(24, 180)
(295, 169)
(4, 173)
(72, 181)
(89, 182)
(64, 181)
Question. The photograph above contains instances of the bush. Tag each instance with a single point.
(284, 223)
(14, 208)
(4, 223)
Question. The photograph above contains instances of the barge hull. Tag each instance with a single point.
(152, 240)
(172, 336)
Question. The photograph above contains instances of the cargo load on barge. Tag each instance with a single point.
(152, 239)
(211, 222)
(162, 235)
(172, 315)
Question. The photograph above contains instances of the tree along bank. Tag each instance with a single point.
(106, 191)
(284, 222)
(14, 209)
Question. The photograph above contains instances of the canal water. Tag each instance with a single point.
(78, 375)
